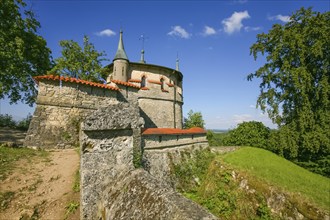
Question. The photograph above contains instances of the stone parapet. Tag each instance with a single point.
(158, 138)
(62, 103)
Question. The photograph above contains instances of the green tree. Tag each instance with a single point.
(23, 53)
(25, 123)
(295, 82)
(252, 133)
(83, 63)
(7, 121)
(195, 119)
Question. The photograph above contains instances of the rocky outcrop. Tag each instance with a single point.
(142, 196)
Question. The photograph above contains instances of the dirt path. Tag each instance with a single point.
(43, 188)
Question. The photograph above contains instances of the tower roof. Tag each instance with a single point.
(121, 54)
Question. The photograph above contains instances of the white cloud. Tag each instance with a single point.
(248, 28)
(106, 32)
(234, 22)
(241, 118)
(283, 18)
(208, 31)
(179, 32)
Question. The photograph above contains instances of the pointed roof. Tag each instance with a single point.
(121, 54)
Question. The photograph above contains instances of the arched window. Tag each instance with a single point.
(162, 84)
(143, 81)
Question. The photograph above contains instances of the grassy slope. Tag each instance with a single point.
(282, 173)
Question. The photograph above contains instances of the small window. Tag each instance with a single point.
(177, 137)
(122, 71)
(143, 81)
(160, 139)
(192, 136)
(162, 84)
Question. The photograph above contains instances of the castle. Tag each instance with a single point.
(133, 121)
(63, 102)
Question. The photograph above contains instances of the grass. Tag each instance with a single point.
(71, 208)
(76, 184)
(282, 173)
(239, 185)
(8, 157)
(5, 198)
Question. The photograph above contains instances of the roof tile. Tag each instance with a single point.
(74, 80)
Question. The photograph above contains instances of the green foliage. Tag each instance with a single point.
(8, 121)
(195, 119)
(250, 133)
(193, 169)
(8, 157)
(5, 198)
(71, 208)
(295, 84)
(83, 63)
(25, 123)
(216, 139)
(282, 173)
(23, 53)
(76, 184)
(220, 187)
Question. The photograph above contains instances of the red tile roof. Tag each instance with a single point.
(154, 82)
(172, 131)
(170, 84)
(74, 80)
(134, 80)
(144, 88)
(119, 82)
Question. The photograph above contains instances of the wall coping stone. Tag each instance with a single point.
(173, 131)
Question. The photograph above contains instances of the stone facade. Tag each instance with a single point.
(130, 135)
(61, 106)
(160, 94)
(111, 187)
(107, 139)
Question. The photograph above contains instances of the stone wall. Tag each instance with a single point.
(111, 186)
(59, 111)
(108, 139)
(160, 162)
(160, 141)
(142, 196)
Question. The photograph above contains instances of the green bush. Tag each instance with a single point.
(250, 133)
(7, 121)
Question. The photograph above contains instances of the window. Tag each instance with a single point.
(162, 84)
(143, 81)
(122, 71)
(160, 139)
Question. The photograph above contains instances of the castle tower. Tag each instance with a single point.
(120, 62)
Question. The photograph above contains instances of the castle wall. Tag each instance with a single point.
(59, 111)
(159, 141)
(112, 187)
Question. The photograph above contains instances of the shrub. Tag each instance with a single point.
(250, 133)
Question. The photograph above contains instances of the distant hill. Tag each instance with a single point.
(218, 130)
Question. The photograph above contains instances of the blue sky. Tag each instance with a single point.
(212, 39)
